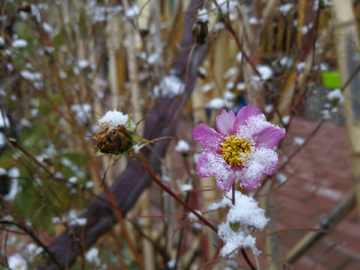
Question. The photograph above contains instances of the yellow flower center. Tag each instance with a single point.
(235, 151)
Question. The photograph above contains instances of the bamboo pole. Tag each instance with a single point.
(301, 21)
(197, 101)
(221, 63)
(286, 99)
(114, 35)
(148, 252)
(133, 69)
(280, 35)
(99, 109)
(268, 14)
(270, 41)
(81, 47)
(348, 61)
(271, 242)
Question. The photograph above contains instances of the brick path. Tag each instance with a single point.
(322, 176)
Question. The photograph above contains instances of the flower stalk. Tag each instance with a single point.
(188, 207)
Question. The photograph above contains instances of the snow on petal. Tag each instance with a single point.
(244, 114)
(243, 151)
(225, 122)
(225, 183)
(204, 166)
(269, 137)
(263, 161)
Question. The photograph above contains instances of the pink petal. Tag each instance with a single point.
(244, 114)
(252, 183)
(208, 137)
(268, 137)
(225, 183)
(225, 122)
(204, 166)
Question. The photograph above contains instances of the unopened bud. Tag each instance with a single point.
(234, 226)
(200, 31)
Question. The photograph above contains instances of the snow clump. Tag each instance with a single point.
(242, 219)
(225, 6)
(19, 43)
(335, 96)
(170, 86)
(203, 15)
(92, 256)
(115, 118)
(182, 146)
(193, 217)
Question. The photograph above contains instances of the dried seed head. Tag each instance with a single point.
(116, 136)
(113, 141)
(200, 31)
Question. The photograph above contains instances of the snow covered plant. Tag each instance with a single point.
(242, 219)
(242, 150)
(116, 136)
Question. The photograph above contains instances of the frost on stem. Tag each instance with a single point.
(242, 219)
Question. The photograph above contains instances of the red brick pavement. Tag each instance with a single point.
(322, 176)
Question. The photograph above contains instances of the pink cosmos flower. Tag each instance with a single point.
(242, 150)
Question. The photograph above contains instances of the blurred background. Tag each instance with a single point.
(65, 63)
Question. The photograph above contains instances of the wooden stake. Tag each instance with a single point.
(347, 59)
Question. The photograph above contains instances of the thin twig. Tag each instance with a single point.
(35, 238)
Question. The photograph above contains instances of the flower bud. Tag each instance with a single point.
(200, 31)
(234, 226)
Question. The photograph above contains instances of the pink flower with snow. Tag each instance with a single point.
(242, 150)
